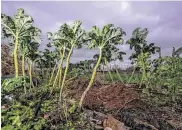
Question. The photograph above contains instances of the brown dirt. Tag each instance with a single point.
(126, 106)
(110, 97)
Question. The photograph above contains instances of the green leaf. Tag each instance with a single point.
(8, 127)
(16, 120)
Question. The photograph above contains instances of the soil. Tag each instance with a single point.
(7, 61)
(126, 105)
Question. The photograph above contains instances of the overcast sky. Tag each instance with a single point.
(163, 19)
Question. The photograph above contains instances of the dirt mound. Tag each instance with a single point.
(78, 86)
(124, 104)
(110, 97)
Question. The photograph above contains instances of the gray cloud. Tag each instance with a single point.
(161, 18)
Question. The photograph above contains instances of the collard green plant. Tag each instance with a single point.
(32, 57)
(142, 52)
(21, 116)
(15, 29)
(103, 39)
(73, 36)
(25, 109)
(29, 45)
(81, 68)
(12, 84)
(166, 72)
(47, 60)
(62, 49)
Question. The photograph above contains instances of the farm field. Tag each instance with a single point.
(44, 90)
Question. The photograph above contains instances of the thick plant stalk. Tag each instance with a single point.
(141, 80)
(108, 69)
(59, 73)
(48, 71)
(91, 80)
(52, 74)
(61, 66)
(118, 75)
(54, 80)
(30, 74)
(47, 74)
(103, 70)
(65, 72)
(16, 57)
(143, 71)
(57, 76)
(132, 75)
(25, 89)
(33, 68)
(23, 64)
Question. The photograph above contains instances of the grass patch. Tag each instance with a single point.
(124, 78)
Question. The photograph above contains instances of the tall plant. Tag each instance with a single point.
(73, 36)
(46, 61)
(61, 49)
(29, 43)
(50, 59)
(142, 51)
(104, 39)
(16, 28)
(32, 56)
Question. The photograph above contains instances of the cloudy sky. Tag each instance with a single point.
(163, 19)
